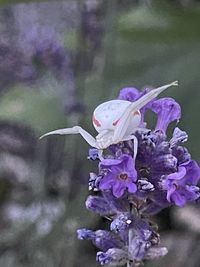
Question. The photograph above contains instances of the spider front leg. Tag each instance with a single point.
(120, 132)
(135, 144)
(125, 119)
(141, 102)
(76, 130)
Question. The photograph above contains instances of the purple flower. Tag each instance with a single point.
(113, 257)
(122, 222)
(181, 153)
(130, 94)
(93, 154)
(94, 181)
(181, 185)
(154, 157)
(99, 205)
(168, 110)
(156, 202)
(120, 174)
(102, 239)
(178, 137)
(85, 234)
(107, 204)
(144, 237)
(156, 252)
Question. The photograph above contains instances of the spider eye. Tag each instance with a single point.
(96, 122)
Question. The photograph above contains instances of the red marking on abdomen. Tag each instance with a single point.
(115, 122)
(96, 122)
(136, 112)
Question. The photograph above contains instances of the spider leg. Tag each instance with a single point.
(135, 144)
(102, 134)
(141, 102)
(100, 154)
(123, 124)
(75, 130)
(124, 121)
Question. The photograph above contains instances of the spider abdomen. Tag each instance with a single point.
(108, 114)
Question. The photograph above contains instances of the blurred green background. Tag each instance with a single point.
(58, 61)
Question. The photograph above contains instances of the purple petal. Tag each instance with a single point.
(167, 110)
(93, 154)
(171, 190)
(110, 162)
(130, 168)
(193, 192)
(179, 136)
(99, 205)
(164, 163)
(85, 234)
(119, 205)
(112, 257)
(181, 153)
(107, 182)
(177, 175)
(130, 163)
(193, 172)
(132, 188)
(118, 189)
(105, 240)
(132, 176)
(129, 93)
(178, 199)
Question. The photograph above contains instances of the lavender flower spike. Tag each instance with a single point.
(128, 187)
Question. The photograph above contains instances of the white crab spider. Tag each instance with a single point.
(115, 121)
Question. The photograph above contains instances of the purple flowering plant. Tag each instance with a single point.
(128, 190)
